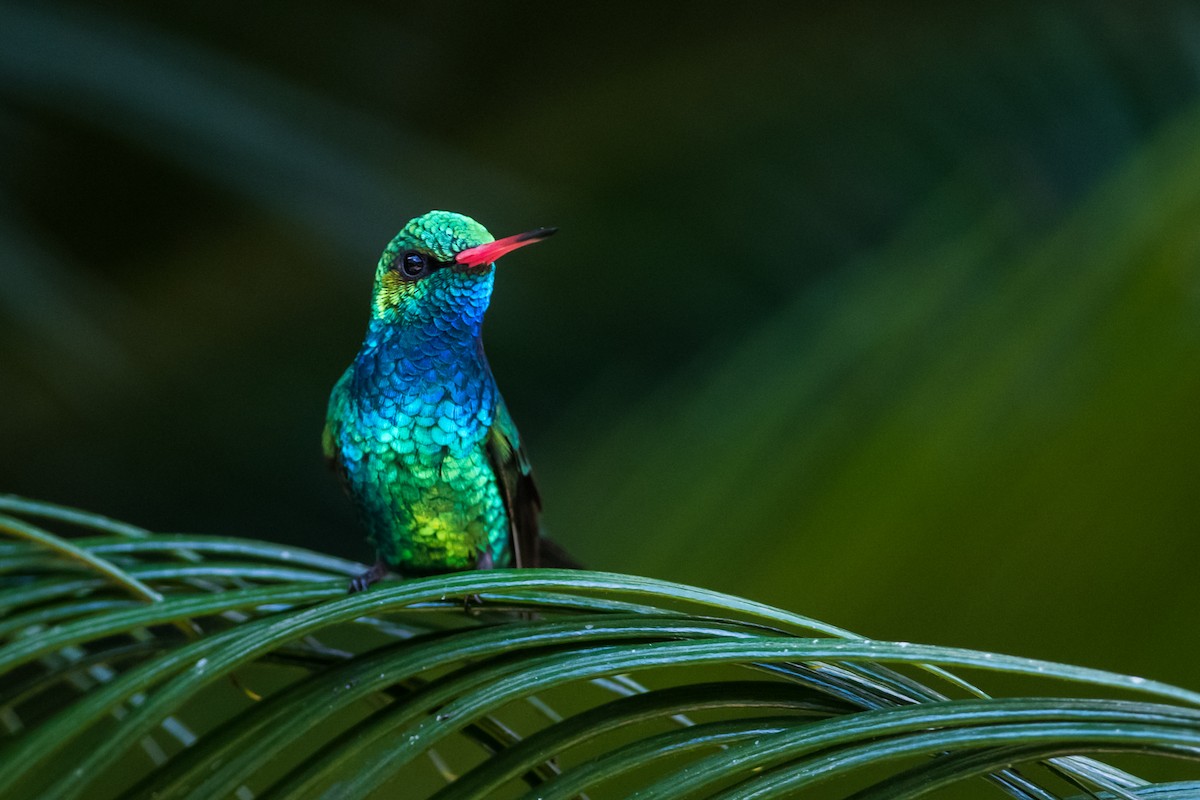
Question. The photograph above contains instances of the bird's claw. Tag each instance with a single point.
(376, 573)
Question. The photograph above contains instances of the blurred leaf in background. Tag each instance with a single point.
(890, 316)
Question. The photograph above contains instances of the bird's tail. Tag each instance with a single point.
(551, 554)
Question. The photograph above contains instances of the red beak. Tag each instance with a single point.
(487, 253)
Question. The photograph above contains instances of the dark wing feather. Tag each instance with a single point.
(515, 478)
(521, 499)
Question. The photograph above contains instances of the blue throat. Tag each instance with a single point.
(433, 375)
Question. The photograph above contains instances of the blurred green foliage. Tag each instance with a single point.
(888, 315)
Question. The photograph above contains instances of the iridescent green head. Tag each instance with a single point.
(440, 267)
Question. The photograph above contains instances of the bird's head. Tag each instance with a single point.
(439, 270)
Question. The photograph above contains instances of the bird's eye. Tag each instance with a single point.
(413, 265)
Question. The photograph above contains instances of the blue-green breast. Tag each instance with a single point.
(409, 424)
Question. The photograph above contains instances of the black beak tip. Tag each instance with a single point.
(540, 233)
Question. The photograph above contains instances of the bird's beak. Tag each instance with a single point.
(487, 253)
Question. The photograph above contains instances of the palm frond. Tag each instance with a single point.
(122, 654)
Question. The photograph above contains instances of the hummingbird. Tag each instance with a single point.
(416, 429)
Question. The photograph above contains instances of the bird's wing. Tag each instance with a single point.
(339, 399)
(521, 498)
(515, 479)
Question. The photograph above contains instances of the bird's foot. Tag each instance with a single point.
(376, 573)
(472, 602)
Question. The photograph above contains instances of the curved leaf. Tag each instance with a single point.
(405, 685)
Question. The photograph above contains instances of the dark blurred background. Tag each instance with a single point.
(888, 316)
